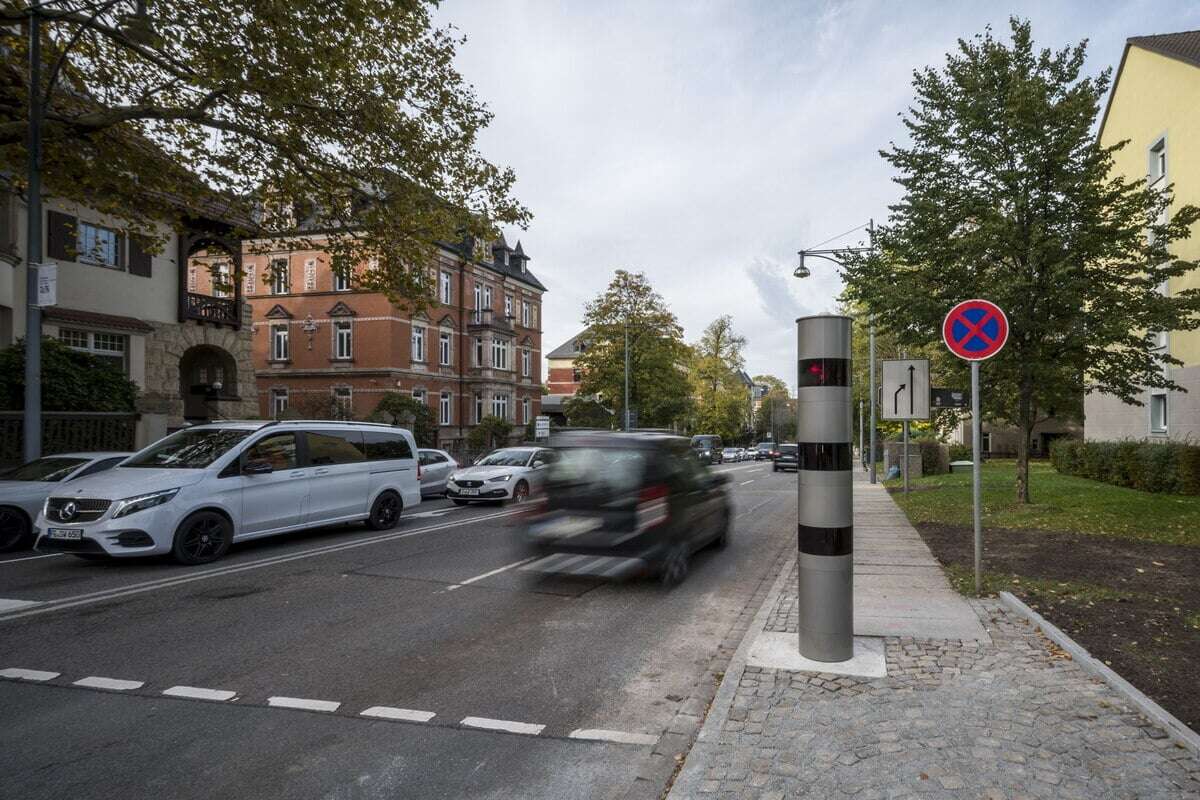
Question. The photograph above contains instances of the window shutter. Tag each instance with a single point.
(60, 236)
(139, 259)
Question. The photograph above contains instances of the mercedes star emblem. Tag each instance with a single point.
(68, 511)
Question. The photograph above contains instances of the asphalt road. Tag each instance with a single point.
(493, 671)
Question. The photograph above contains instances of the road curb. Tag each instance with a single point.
(1182, 734)
(688, 781)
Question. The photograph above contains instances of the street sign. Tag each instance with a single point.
(541, 427)
(906, 389)
(948, 398)
(975, 330)
(47, 285)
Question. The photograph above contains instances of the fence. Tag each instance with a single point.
(68, 431)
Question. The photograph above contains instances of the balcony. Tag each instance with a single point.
(489, 319)
(217, 310)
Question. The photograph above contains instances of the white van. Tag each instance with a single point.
(197, 491)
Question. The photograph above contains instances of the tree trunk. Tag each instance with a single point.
(1025, 422)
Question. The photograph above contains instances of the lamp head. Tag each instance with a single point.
(801, 271)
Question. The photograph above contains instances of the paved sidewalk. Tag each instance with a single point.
(985, 710)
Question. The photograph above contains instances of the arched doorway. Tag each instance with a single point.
(207, 376)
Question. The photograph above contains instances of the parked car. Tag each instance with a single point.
(619, 504)
(762, 451)
(708, 448)
(197, 491)
(730, 454)
(24, 489)
(510, 473)
(788, 458)
(436, 466)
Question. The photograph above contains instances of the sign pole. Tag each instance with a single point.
(905, 470)
(871, 448)
(976, 435)
(862, 444)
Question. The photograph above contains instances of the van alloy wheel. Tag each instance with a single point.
(385, 512)
(203, 537)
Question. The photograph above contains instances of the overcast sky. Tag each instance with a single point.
(704, 143)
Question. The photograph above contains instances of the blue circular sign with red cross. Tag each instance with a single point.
(975, 330)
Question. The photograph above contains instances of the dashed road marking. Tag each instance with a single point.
(620, 737)
(406, 714)
(527, 728)
(743, 483)
(12, 605)
(28, 674)
(489, 574)
(29, 558)
(96, 682)
(304, 703)
(199, 693)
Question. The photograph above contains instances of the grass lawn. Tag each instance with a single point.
(1060, 503)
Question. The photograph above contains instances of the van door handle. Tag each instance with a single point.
(297, 474)
(322, 472)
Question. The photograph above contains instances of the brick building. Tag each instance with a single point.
(562, 375)
(322, 347)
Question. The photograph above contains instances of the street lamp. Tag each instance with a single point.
(802, 271)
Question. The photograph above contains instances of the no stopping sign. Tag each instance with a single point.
(975, 330)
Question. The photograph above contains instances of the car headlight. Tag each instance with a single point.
(499, 479)
(132, 505)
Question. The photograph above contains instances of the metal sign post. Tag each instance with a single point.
(906, 396)
(975, 330)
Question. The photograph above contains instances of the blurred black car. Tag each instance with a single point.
(788, 458)
(619, 504)
(708, 448)
(762, 451)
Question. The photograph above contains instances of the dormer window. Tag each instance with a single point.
(504, 257)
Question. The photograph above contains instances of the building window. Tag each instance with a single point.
(525, 410)
(526, 361)
(191, 277)
(341, 281)
(222, 283)
(343, 402)
(1158, 161)
(985, 443)
(508, 306)
(108, 347)
(281, 281)
(419, 396)
(478, 297)
(279, 402)
(418, 343)
(478, 407)
(343, 343)
(525, 313)
(279, 342)
(1158, 412)
(479, 351)
(500, 406)
(533, 316)
(576, 376)
(487, 297)
(447, 296)
(445, 409)
(499, 354)
(97, 245)
(248, 280)
(444, 345)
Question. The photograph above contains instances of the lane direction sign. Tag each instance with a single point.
(906, 389)
(975, 330)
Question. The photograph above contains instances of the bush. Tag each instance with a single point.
(1166, 467)
(405, 410)
(491, 432)
(935, 459)
(961, 452)
(71, 380)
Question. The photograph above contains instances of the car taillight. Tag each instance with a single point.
(419, 470)
(653, 506)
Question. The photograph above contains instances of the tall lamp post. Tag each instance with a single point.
(803, 271)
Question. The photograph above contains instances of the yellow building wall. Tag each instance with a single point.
(1156, 97)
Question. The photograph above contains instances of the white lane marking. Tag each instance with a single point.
(96, 682)
(743, 483)
(28, 674)
(469, 581)
(198, 693)
(527, 728)
(163, 583)
(304, 703)
(436, 512)
(621, 737)
(407, 714)
(754, 508)
(12, 605)
(29, 558)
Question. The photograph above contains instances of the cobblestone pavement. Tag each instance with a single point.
(1015, 718)
(785, 614)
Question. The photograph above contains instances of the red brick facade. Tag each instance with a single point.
(321, 348)
(562, 380)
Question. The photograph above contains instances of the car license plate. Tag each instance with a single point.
(468, 492)
(68, 534)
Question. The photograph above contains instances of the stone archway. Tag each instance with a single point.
(208, 378)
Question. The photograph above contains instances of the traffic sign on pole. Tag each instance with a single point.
(905, 389)
(976, 330)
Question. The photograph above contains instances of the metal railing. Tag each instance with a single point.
(69, 431)
(206, 308)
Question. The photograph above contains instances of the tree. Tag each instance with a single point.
(405, 410)
(584, 412)
(71, 380)
(348, 117)
(658, 385)
(491, 432)
(774, 384)
(722, 400)
(1008, 196)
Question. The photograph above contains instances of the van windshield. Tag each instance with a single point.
(188, 449)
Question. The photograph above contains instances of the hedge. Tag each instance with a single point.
(1167, 467)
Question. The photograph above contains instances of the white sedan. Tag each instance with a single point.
(24, 489)
(511, 473)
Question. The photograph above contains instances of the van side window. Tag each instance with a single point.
(335, 447)
(279, 450)
(382, 446)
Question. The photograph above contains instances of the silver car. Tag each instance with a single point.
(510, 473)
(24, 489)
(436, 466)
